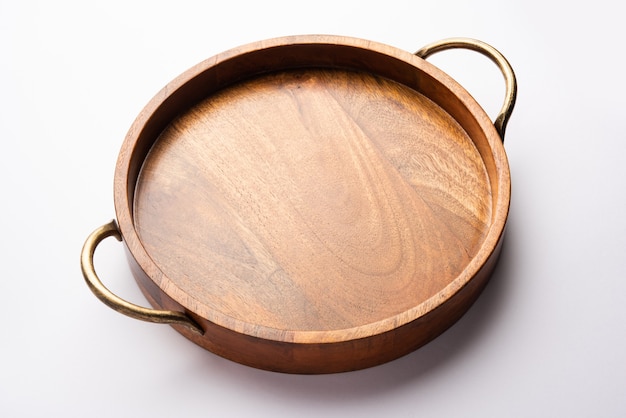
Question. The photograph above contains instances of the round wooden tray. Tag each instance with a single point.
(311, 204)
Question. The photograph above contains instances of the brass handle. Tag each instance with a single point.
(509, 76)
(112, 300)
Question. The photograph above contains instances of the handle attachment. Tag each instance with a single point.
(487, 50)
(115, 302)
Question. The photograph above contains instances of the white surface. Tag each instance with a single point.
(548, 336)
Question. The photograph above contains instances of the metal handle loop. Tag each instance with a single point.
(113, 301)
(509, 76)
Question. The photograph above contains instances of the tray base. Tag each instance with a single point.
(313, 200)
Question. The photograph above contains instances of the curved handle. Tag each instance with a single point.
(112, 300)
(509, 76)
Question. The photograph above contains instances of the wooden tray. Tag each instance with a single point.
(311, 204)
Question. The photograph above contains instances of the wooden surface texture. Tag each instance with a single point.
(313, 200)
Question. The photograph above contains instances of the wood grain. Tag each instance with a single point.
(323, 204)
(331, 214)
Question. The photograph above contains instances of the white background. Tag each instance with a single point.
(548, 336)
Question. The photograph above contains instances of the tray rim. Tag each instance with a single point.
(123, 200)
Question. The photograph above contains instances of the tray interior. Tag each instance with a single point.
(313, 199)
